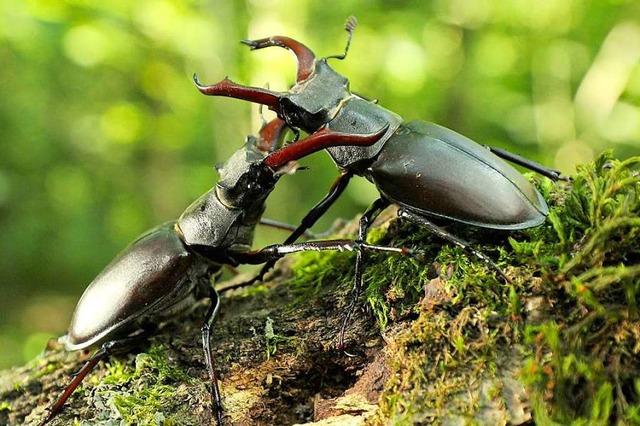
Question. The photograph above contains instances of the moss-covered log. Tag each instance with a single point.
(442, 338)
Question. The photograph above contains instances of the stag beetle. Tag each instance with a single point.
(429, 171)
(168, 268)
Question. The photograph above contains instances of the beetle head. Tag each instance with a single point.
(312, 103)
(314, 100)
(245, 181)
(227, 214)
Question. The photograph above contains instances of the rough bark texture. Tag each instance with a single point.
(458, 346)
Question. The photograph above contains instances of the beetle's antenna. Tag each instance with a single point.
(350, 25)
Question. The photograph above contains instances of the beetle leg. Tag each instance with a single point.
(247, 93)
(320, 140)
(108, 348)
(277, 251)
(336, 190)
(406, 214)
(216, 399)
(365, 223)
(534, 166)
(305, 57)
(286, 227)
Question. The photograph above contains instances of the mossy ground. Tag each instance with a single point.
(568, 319)
(444, 339)
(566, 322)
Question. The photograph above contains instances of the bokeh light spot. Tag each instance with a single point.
(86, 45)
(405, 64)
(69, 189)
(496, 54)
(121, 123)
(623, 124)
(125, 219)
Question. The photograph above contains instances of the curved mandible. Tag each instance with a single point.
(231, 89)
(317, 141)
(271, 134)
(305, 57)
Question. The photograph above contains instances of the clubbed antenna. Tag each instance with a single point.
(350, 25)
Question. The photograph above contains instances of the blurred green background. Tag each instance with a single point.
(103, 134)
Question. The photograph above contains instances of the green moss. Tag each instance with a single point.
(313, 270)
(273, 340)
(566, 322)
(387, 278)
(392, 282)
(145, 406)
(156, 360)
(153, 396)
(584, 359)
(255, 290)
(46, 370)
(428, 369)
(571, 306)
(117, 372)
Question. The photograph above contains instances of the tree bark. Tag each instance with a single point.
(465, 347)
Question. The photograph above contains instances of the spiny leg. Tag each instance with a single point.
(277, 251)
(365, 223)
(405, 214)
(216, 399)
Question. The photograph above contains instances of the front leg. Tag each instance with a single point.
(363, 229)
(277, 251)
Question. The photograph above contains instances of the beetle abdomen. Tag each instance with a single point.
(435, 171)
(152, 271)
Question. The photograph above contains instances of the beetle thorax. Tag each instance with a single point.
(225, 216)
